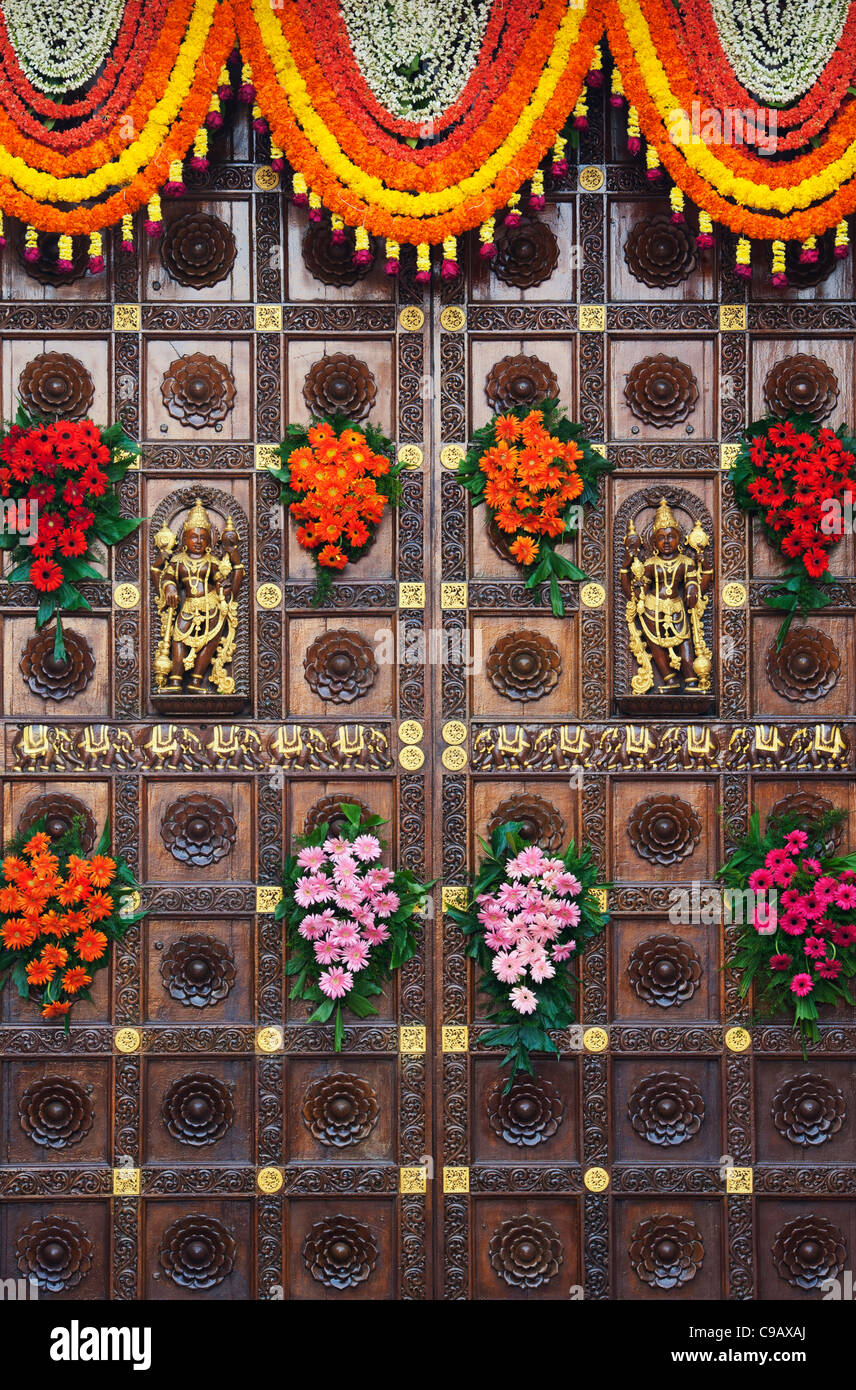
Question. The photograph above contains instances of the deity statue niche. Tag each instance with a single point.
(200, 607)
(665, 661)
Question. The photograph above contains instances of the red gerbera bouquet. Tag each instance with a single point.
(534, 470)
(798, 479)
(59, 478)
(797, 910)
(336, 482)
(59, 914)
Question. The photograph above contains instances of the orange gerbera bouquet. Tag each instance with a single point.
(337, 482)
(534, 470)
(59, 914)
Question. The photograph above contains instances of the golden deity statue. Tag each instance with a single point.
(197, 600)
(666, 591)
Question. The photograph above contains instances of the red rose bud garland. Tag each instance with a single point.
(337, 482)
(534, 470)
(349, 919)
(796, 908)
(62, 475)
(531, 915)
(60, 913)
(799, 479)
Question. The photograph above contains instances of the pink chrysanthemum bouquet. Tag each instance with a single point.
(530, 916)
(349, 919)
(797, 943)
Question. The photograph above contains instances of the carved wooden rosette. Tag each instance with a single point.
(198, 970)
(340, 666)
(801, 385)
(55, 1112)
(198, 250)
(664, 829)
(197, 1252)
(340, 384)
(46, 269)
(198, 829)
(666, 1251)
(60, 812)
(808, 1109)
(528, 1115)
(524, 665)
(332, 262)
(808, 1250)
(56, 1252)
(660, 253)
(340, 1252)
(806, 667)
(197, 1109)
(526, 1252)
(340, 1110)
(526, 255)
(661, 391)
(664, 971)
(172, 512)
(666, 1108)
(57, 678)
(198, 391)
(329, 810)
(56, 385)
(519, 381)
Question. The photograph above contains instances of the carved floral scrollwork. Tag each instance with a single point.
(664, 829)
(198, 391)
(340, 666)
(55, 1112)
(807, 1109)
(197, 1109)
(540, 822)
(801, 385)
(666, 1108)
(806, 666)
(661, 391)
(664, 971)
(340, 384)
(56, 1252)
(198, 250)
(666, 1251)
(808, 1250)
(198, 829)
(328, 810)
(526, 254)
(332, 262)
(55, 385)
(519, 381)
(524, 665)
(529, 1114)
(197, 1252)
(53, 677)
(660, 252)
(340, 1110)
(526, 1252)
(340, 1252)
(198, 971)
(59, 812)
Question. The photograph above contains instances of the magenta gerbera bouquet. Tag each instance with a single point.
(350, 920)
(530, 916)
(797, 912)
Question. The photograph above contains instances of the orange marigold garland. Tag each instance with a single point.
(60, 913)
(534, 470)
(337, 482)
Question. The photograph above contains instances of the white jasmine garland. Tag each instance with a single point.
(416, 55)
(61, 44)
(778, 48)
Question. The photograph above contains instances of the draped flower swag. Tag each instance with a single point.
(445, 141)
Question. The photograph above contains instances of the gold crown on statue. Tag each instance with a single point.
(197, 516)
(664, 518)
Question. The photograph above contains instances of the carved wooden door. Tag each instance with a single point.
(193, 1137)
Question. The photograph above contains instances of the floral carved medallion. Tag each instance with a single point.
(332, 262)
(526, 1252)
(666, 1251)
(808, 1250)
(540, 822)
(198, 391)
(524, 665)
(801, 385)
(528, 1115)
(660, 253)
(340, 666)
(53, 677)
(340, 1252)
(664, 971)
(197, 1252)
(56, 1252)
(55, 385)
(198, 971)
(55, 1112)
(664, 829)
(198, 829)
(661, 391)
(519, 381)
(198, 250)
(328, 810)
(807, 1109)
(806, 666)
(666, 1108)
(809, 807)
(340, 1110)
(59, 812)
(197, 1109)
(340, 385)
(526, 254)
